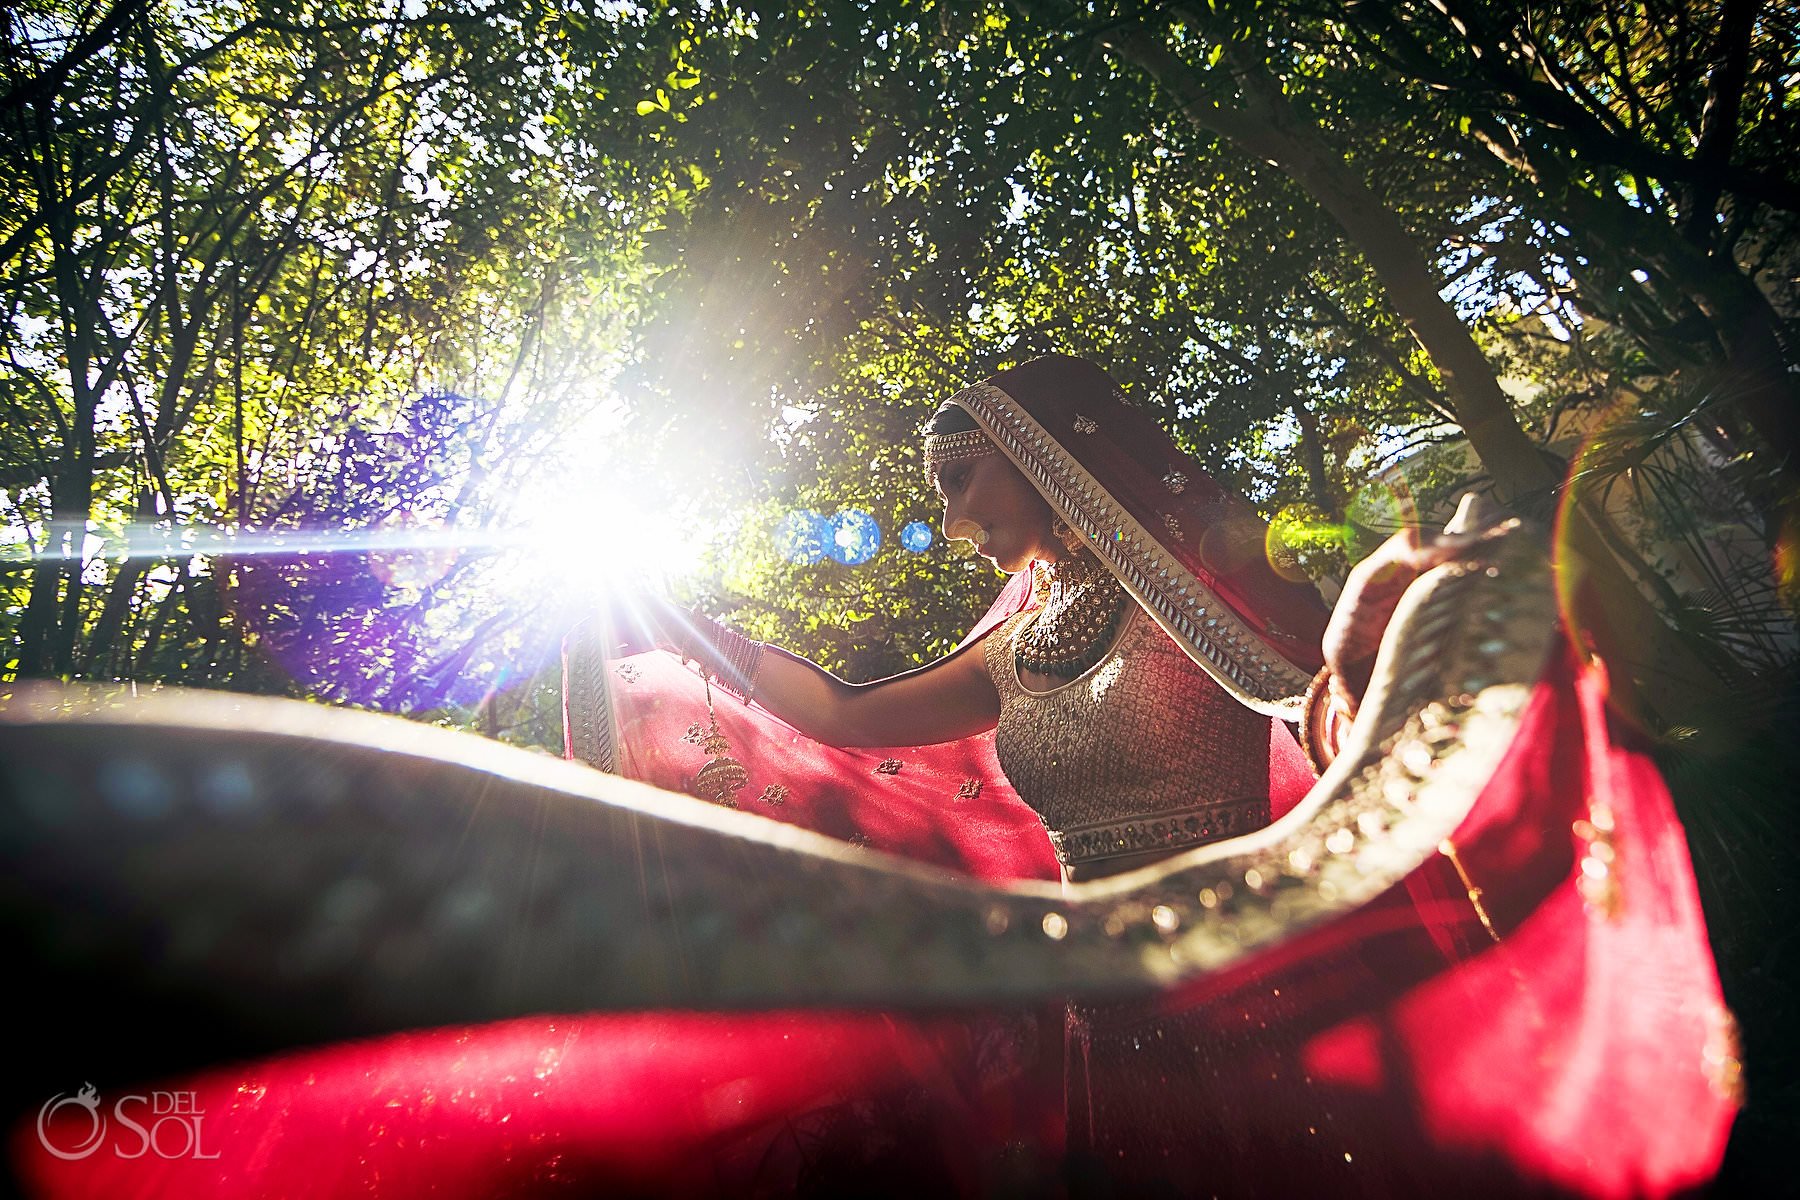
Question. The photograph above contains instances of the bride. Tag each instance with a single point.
(1133, 679)
(1467, 955)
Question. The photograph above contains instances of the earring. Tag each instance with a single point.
(1060, 530)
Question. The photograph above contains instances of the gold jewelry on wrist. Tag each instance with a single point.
(730, 658)
(1316, 740)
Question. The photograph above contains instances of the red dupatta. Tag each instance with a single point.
(1471, 962)
(1193, 555)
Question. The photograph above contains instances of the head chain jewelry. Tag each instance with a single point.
(940, 448)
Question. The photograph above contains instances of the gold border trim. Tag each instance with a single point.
(1174, 829)
(1459, 665)
(588, 694)
(1244, 664)
(747, 911)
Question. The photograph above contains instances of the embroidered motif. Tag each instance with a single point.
(888, 766)
(1598, 884)
(1086, 424)
(723, 776)
(970, 789)
(1176, 482)
(1159, 831)
(696, 735)
(859, 840)
(1172, 525)
(774, 794)
(629, 672)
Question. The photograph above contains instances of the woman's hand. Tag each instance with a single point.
(1373, 591)
(638, 622)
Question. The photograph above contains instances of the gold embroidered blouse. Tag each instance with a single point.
(1143, 752)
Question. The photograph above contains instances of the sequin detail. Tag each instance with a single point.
(888, 766)
(970, 789)
(1165, 831)
(775, 794)
(1142, 752)
(1086, 425)
(1176, 482)
(629, 673)
(1598, 881)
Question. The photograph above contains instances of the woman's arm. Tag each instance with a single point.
(951, 698)
(1360, 619)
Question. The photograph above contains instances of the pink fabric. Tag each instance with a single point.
(1402, 1050)
(949, 804)
(1398, 1050)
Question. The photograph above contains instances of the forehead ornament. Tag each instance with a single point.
(941, 448)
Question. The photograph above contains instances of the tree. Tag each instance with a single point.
(231, 240)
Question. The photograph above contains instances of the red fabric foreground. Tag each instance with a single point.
(1397, 1050)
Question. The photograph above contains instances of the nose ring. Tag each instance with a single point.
(966, 530)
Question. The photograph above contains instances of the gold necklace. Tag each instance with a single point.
(1082, 606)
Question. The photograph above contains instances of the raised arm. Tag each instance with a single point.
(951, 698)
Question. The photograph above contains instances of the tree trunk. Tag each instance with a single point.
(119, 594)
(1312, 453)
(1269, 129)
(171, 601)
(1600, 592)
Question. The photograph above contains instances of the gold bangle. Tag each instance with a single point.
(730, 658)
(1317, 703)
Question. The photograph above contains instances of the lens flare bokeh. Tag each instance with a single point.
(855, 537)
(802, 536)
(412, 552)
(429, 581)
(1302, 542)
(1380, 508)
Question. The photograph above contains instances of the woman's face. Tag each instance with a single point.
(987, 496)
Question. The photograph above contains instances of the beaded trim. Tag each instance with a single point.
(1225, 647)
(587, 715)
(1179, 829)
(755, 912)
(940, 448)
